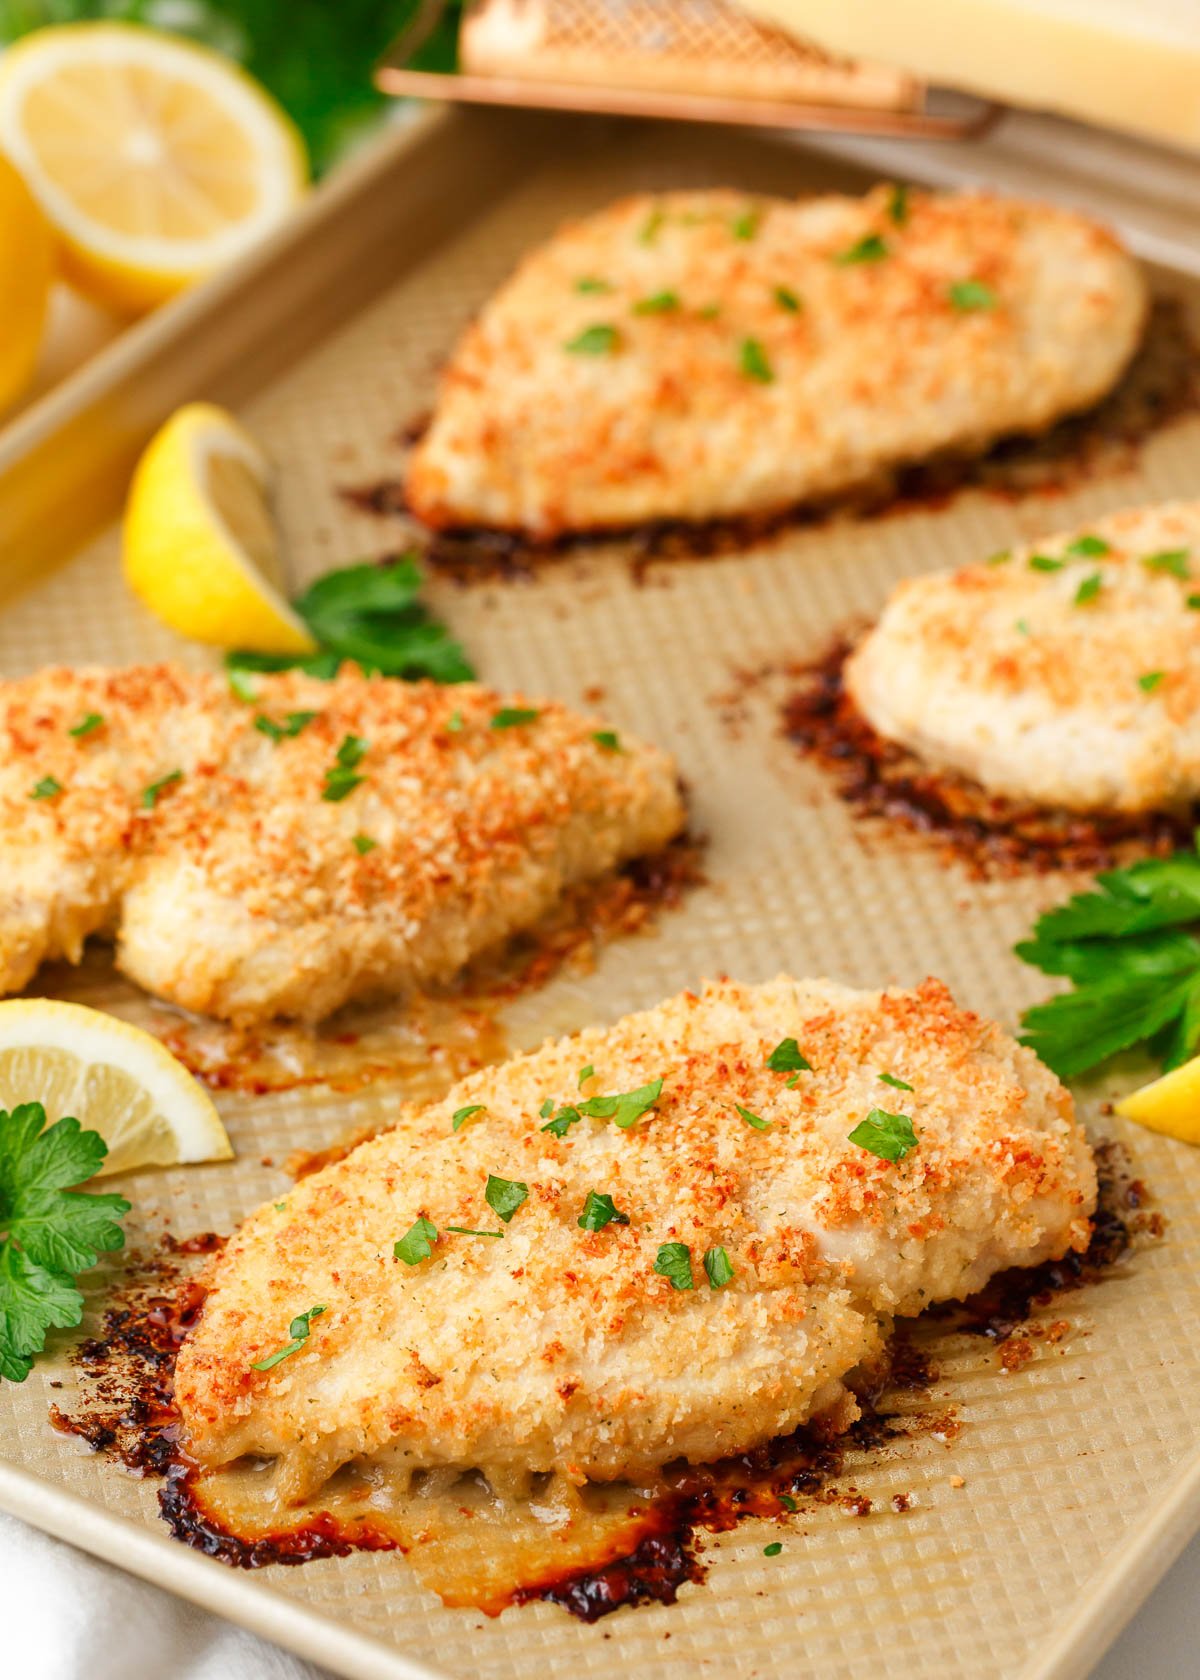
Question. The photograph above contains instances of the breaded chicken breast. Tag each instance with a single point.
(1066, 674)
(704, 354)
(662, 1238)
(320, 842)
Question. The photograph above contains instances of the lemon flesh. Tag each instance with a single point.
(1170, 1105)
(26, 272)
(155, 160)
(200, 548)
(113, 1078)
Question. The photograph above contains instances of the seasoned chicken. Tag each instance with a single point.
(705, 354)
(527, 1342)
(1066, 673)
(321, 842)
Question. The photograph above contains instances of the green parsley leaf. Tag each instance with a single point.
(661, 303)
(504, 1196)
(363, 844)
(1089, 547)
(588, 283)
(48, 788)
(49, 1231)
(342, 778)
(898, 204)
(242, 684)
(896, 1084)
(774, 1549)
(718, 1267)
(787, 299)
(971, 296)
(608, 739)
(788, 1503)
(1089, 589)
(709, 312)
(1149, 681)
(745, 226)
(547, 1108)
(1001, 557)
(509, 717)
(288, 729)
(1045, 563)
(454, 722)
(1172, 560)
(280, 1207)
(598, 340)
(755, 1120)
(754, 362)
(87, 725)
(871, 248)
(889, 1136)
(1022, 627)
(674, 1262)
(586, 1073)
(562, 1122)
(1193, 601)
(461, 1115)
(787, 1058)
(649, 230)
(152, 794)
(299, 1330)
(600, 1210)
(625, 1108)
(417, 1242)
(466, 1231)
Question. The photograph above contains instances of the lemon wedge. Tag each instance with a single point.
(200, 547)
(115, 1080)
(155, 160)
(26, 271)
(1170, 1105)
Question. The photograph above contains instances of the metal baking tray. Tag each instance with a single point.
(1081, 1471)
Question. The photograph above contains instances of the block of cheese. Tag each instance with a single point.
(1131, 64)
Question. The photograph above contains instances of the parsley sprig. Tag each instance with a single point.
(299, 1330)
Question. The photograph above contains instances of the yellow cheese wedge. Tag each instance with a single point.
(1170, 1105)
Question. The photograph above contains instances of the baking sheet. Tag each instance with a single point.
(1082, 1470)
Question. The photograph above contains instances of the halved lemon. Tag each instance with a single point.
(26, 270)
(114, 1078)
(154, 159)
(1170, 1105)
(200, 547)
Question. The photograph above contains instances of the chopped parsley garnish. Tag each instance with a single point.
(562, 1121)
(1045, 563)
(599, 340)
(417, 1242)
(1089, 589)
(363, 844)
(504, 1196)
(547, 1108)
(755, 1120)
(589, 283)
(971, 296)
(342, 776)
(745, 226)
(586, 1073)
(509, 717)
(1089, 546)
(242, 684)
(870, 248)
(889, 1136)
(1022, 627)
(1001, 557)
(608, 739)
(87, 725)
(787, 299)
(718, 1267)
(754, 362)
(1193, 601)
(896, 1084)
(299, 1330)
(787, 1057)
(661, 303)
(152, 794)
(1173, 560)
(788, 1503)
(598, 1211)
(709, 312)
(461, 1115)
(674, 1262)
(1149, 681)
(466, 1231)
(774, 1549)
(291, 726)
(898, 204)
(624, 1108)
(454, 722)
(48, 788)
(649, 230)
(49, 1230)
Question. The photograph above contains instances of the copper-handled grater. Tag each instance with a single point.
(699, 60)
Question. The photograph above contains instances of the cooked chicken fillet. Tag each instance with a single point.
(1067, 673)
(705, 354)
(552, 1348)
(234, 880)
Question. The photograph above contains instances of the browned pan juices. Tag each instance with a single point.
(994, 837)
(1162, 385)
(591, 1550)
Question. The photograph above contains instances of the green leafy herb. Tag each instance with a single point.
(466, 1231)
(674, 1262)
(49, 1231)
(342, 776)
(898, 204)
(461, 1115)
(896, 1084)
(1193, 601)
(788, 1058)
(625, 1108)
(754, 362)
(293, 723)
(48, 788)
(1045, 563)
(788, 1503)
(588, 283)
(1022, 627)
(509, 717)
(889, 1136)
(1173, 560)
(718, 1267)
(454, 722)
(417, 1242)
(608, 739)
(598, 1211)
(755, 1120)
(280, 1207)
(586, 1073)
(504, 1196)
(1089, 589)
(152, 794)
(1001, 557)
(547, 1108)
(709, 312)
(787, 299)
(871, 248)
(363, 844)
(562, 1122)
(745, 226)
(661, 303)
(87, 725)
(971, 296)
(1089, 546)
(598, 340)
(774, 1549)
(649, 230)
(299, 1330)
(1149, 681)
(242, 684)
(1133, 960)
